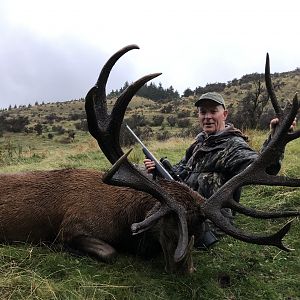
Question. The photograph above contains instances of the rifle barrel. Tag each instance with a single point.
(159, 166)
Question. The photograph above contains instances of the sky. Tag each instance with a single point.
(54, 50)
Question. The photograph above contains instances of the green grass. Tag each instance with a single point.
(231, 270)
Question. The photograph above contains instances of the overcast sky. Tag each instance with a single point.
(54, 50)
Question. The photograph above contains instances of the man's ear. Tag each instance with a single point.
(225, 113)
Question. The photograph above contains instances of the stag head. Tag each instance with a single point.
(105, 128)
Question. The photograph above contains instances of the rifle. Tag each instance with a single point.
(208, 238)
(160, 169)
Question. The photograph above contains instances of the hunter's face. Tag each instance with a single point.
(212, 116)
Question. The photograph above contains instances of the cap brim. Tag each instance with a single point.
(197, 103)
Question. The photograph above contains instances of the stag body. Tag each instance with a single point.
(74, 207)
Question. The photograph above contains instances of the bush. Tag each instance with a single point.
(17, 124)
(136, 120)
(171, 120)
(76, 116)
(126, 138)
(59, 129)
(167, 109)
(183, 114)
(192, 131)
(183, 123)
(52, 117)
(82, 125)
(38, 128)
(163, 135)
(157, 120)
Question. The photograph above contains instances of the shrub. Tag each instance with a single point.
(171, 120)
(76, 116)
(190, 131)
(52, 117)
(167, 109)
(82, 125)
(17, 124)
(136, 120)
(158, 120)
(126, 138)
(59, 129)
(183, 114)
(163, 135)
(38, 128)
(183, 123)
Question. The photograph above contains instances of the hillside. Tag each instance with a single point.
(53, 136)
(161, 117)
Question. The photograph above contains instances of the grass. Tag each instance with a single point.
(231, 270)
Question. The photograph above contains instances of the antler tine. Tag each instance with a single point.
(256, 174)
(105, 128)
(282, 134)
(270, 240)
(292, 135)
(97, 94)
(270, 88)
(118, 113)
(104, 74)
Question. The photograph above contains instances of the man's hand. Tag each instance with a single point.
(274, 123)
(149, 165)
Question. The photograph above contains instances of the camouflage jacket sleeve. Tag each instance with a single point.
(235, 156)
(181, 168)
(240, 155)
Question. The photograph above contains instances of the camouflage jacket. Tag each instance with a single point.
(212, 160)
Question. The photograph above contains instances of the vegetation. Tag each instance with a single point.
(231, 270)
(162, 109)
(150, 91)
(54, 135)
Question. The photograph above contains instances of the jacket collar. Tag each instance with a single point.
(229, 130)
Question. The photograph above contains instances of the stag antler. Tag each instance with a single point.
(105, 128)
(256, 174)
(270, 89)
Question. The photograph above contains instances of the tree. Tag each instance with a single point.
(150, 91)
(252, 106)
(188, 92)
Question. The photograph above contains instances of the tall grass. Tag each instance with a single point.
(230, 270)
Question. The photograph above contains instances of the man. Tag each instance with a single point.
(220, 151)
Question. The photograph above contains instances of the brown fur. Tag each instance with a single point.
(74, 207)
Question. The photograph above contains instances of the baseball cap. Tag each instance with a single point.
(211, 96)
